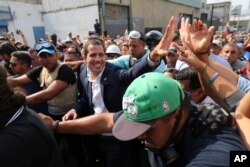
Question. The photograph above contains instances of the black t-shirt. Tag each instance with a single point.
(65, 74)
(27, 142)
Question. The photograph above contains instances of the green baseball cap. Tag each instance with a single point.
(148, 97)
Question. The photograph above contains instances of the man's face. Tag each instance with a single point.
(35, 59)
(216, 50)
(5, 57)
(136, 47)
(69, 58)
(157, 136)
(96, 59)
(196, 95)
(171, 59)
(17, 67)
(49, 61)
(125, 50)
(230, 53)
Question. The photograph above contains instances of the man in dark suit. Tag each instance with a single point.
(104, 85)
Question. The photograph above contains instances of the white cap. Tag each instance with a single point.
(218, 42)
(113, 49)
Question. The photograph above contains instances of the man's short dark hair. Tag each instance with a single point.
(172, 71)
(77, 50)
(189, 74)
(7, 48)
(8, 99)
(93, 40)
(23, 57)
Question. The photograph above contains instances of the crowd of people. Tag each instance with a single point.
(173, 99)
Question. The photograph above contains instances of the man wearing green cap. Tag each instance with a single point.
(156, 111)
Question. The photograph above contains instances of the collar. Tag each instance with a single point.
(10, 117)
(98, 76)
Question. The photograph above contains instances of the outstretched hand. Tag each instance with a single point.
(161, 49)
(189, 57)
(197, 40)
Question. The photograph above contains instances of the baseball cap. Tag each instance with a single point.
(148, 97)
(218, 42)
(136, 35)
(44, 46)
(113, 49)
(172, 50)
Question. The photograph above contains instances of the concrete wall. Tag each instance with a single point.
(121, 2)
(157, 13)
(25, 16)
(58, 5)
(64, 16)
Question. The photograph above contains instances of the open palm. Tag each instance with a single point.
(198, 40)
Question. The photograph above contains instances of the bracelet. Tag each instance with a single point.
(56, 126)
(200, 53)
(204, 69)
(213, 77)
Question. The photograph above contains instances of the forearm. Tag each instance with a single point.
(24, 40)
(38, 97)
(222, 91)
(242, 116)
(227, 74)
(210, 93)
(94, 124)
(246, 41)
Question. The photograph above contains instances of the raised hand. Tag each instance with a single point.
(161, 49)
(198, 40)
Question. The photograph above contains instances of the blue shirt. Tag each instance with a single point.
(124, 62)
(243, 83)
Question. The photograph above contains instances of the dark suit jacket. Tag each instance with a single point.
(114, 82)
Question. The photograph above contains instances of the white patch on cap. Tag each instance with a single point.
(132, 110)
(126, 101)
(129, 105)
(165, 106)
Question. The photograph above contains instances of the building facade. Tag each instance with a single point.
(36, 17)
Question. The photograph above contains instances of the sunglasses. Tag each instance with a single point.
(111, 55)
(44, 45)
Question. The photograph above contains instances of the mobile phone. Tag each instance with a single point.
(17, 31)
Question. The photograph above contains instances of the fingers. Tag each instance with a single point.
(69, 116)
(204, 27)
(211, 31)
(168, 35)
(65, 117)
(186, 28)
(195, 25)
(182, 24)
(179, 48)
(189, 28)
(200, 25)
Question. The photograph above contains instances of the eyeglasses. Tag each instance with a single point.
(134, 35)
(44, 45)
